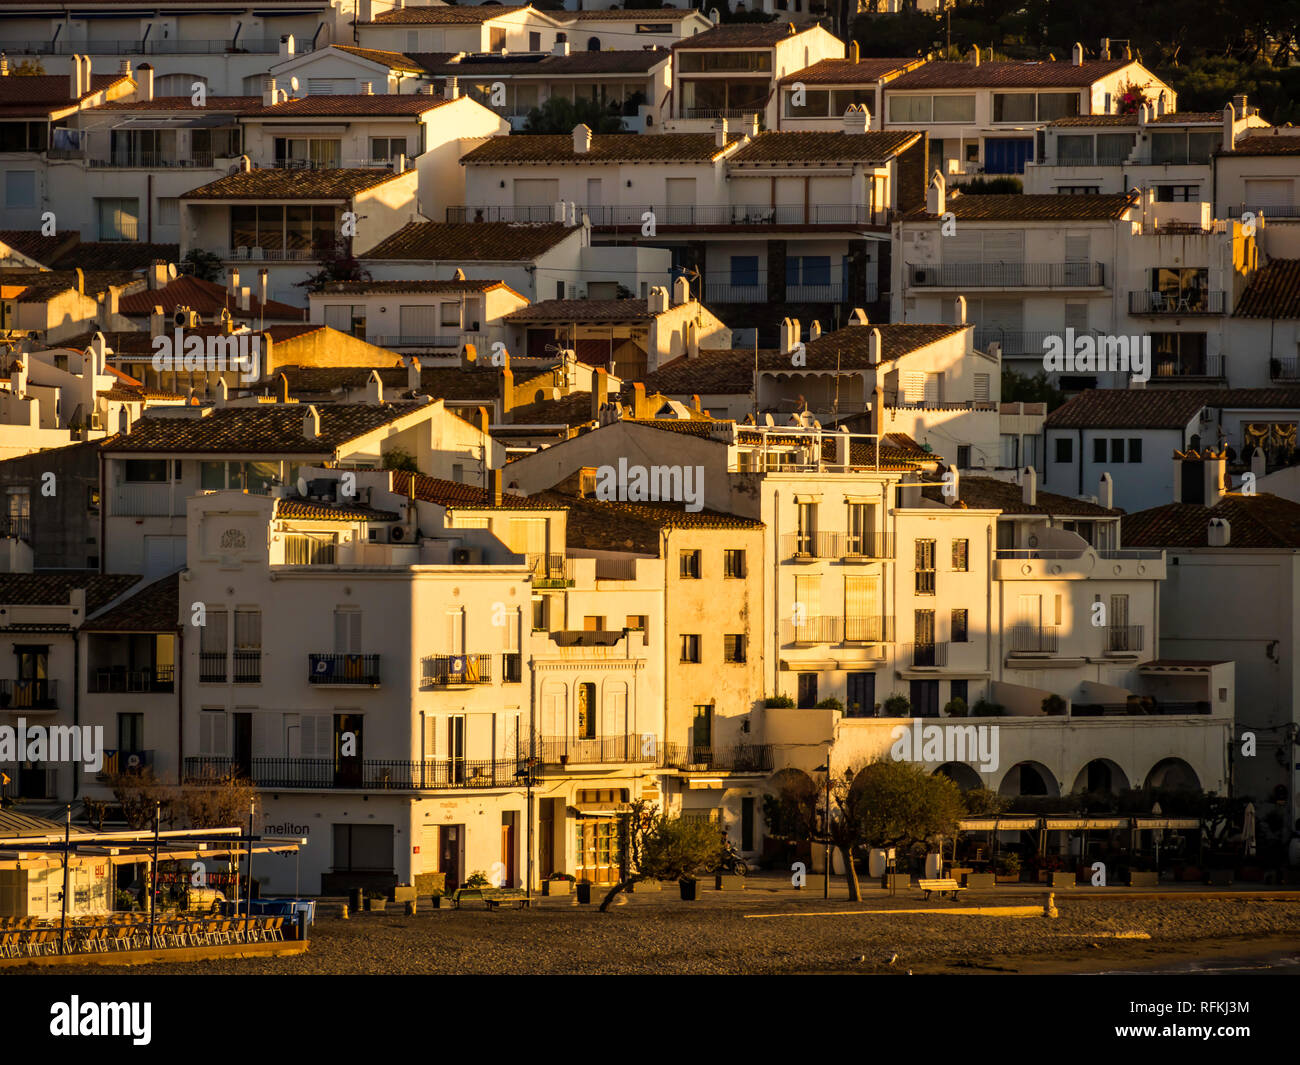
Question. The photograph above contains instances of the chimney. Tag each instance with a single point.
(245, 164)
(1219, 534)
(857, 119)
(287, 46)
(954, 497)
(124, 69)
(814, 331)
(268, 93)
(450, 88)
(75, 84)
(1258, 465)
(1239, 105)
(1215, 467)
(158, 276)
(1076, 55)
(858, 317)
(724, 131)
(81, 280)
(144, 82)
(311, 423)
(639, 406)
(599, 393)
(561, 47)
(877, 411)
(4, 65)
(936, 196)
(497, 477)
(975, 56)
(715, 16)
(681, 291)
(157, 321)
(232, 286)
(246, 299)
(1105, 48)
(374, 388)
(400, 166)
(1161, 104)
(85, 73)
(854, 52)
(282, 387)
(1229, 128)
(873, 347)
(367, 88)
(657, 302)
(223, 392)
(1106, 492)
(959, 310)
(413, 375)
(789, 335)
(1029, 487)
(581, 139)
(483, 419)
(18, 376)
(507, 390)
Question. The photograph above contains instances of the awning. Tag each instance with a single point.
(1065, 824)
(194, 122)
(1166, 822)
(997, 824)
(598, 809)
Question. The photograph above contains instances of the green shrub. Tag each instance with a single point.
(955, 707)
(478, 878)
(779, 702)
(831, 703)
(898, 706)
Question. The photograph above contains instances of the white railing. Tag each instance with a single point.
(143, 500)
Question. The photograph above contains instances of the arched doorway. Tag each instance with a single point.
(1028, 778)
(1101, 775)
(964, 776)
(1173, 774)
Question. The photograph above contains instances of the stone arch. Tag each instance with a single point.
(964, 776)
(1173, 773)
(1029, 778)
(1101, 775)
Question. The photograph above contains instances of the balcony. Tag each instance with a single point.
(359, 774)
(741, 113)
(1007, 275)
(1022, 341)
(16, 527)
(1266, 210)
(1203, 301)
(450, 342)
(286, 255)
(1123, 639)
(1033, 640)
(551, 571)
(135, 46)
(29, 695)
(119, 680)
(868, 629)
(837, 629)
(1137, 706)
(118, 762)
(750, 758)
(694, 215)
(1089, 159)
(212, 667)
(1286, 368)
(512, 668)
(1175, 367)
(455, 671)
(353, 671)
(807, 546)
(927, 655)
(153, 161)
(563, 750)
(144, 500)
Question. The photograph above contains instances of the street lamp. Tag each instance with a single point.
(527, 774)
(826, 881)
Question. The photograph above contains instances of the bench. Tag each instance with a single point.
(491, 897)
(945, 886)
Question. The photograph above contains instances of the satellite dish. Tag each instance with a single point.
(302, 487)
(293, 84)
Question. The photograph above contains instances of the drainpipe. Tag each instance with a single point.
(178, 686)
(988, 610)
(103, 511)
(1079, 432)
(76, 712)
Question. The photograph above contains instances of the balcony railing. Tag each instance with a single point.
(29, 695)
(1008, 275)
(360, 670)
(136, 46)
(143, 500)
(868, 629)
(632, 216)
(1022, 341)
(1030, 639)
(109, 680)
(118, 762)
(153, 161)
(1266, 210)
(839, 545)
(1137, 706)
(829, 628)
(1166, 366)
(512, 669)
(550, 571)
(750, 758)
(248, 667)
(1090, 159)
(442, 671)
(564, 750)
(294, 255)
(367, 774)
(16, 527)
(1202, 301)
(212, 667)
(723, 112)
(1286, 368)
(1124, 639)
(451, 341)
(927, 654)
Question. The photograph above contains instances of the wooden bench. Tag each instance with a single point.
(945, 886)
(491, 897)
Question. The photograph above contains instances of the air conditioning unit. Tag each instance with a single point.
(397, 534)
(466, 556)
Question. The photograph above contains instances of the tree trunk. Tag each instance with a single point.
(850, 874)
(625, 885)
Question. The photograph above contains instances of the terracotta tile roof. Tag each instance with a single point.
(614, 61)
(472, 241)
(218, 104)
(362, 104)
(1274, 292)
(266, 429)
(1173, 118)
(740, 35)
(38, 247)
(392, 60)
(989, 493)
(445, 16)
(596, 524)
(628, 310)
(206, 297)
(825, 147)
(572, 410)
(34, 95)
(847, 72)
(293, 184)
(605, 148)
(1159, 408)
(1279, 142)
(466, 496)
(847, 348)
(152, 608)
(117, 255)
(53, 589)
(650, 14)
(440, 382)
(700, 426)
(1008, 74)
(897, 451)
(1259, 521)
(729, 371)
(1033, 208)
(311, 510)
(413, 286)
(140, 342)
(42, 285)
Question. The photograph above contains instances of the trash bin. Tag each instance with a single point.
(688, 890)
(584, 894)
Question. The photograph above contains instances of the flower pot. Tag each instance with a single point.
(688, 890)
(555, 887)
(584, 894)
(376, 905)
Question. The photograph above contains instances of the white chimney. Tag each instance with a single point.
(374, 388)
(367, 88)
(413, 375)
(1105, 48)
(959, 310)
(1229, 128)
(286, 46)
(1239, 105)
(75, 90)
(858, 317)
(158, 276)
(1215, 467)
(1161, 104)
(814, 331)
(936, 196)
(268, 93)
(1029, 487)
(124, 69)
(561, 47)
(1076, 55)
(400, 165)
(953, 495)
(245, 299)
(975, 56)
(657, 303)
(1106, 491)
(144, 82)
(1219, 534)
(681, 291)
(157, 321)
(1258, 464)
(581, 139)
(857, 119)
(311, 423)
(873, 347)
(232, 285)
(450, 88)
(789, 335)
(223, 392)
(724, 131)
(85, 72)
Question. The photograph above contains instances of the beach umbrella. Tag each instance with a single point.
(1248, 828)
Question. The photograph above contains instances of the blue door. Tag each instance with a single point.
(1007, 155)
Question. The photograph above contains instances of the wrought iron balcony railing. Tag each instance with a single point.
(441, 671)
(359, 670)
(1007, 275)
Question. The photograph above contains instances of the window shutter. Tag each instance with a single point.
(213, 639)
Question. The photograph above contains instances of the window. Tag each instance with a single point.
(593, 623)
(1064, 449)
(690, 647)
(1013, 107)
(954, 109)
(1117, 449)
(449, 315)
(925, 567)
(960, 556)
(1077, 190)
(169, 211)
(212, 648)
(1054, 105)
(387, 149)
(118, 218)
(960, 690)
(744, 271)
(248, 646)
(586, 711)
(534, 42)
(862, 528)
(1099, 449)
(1135, 449)
(20, 188)
(807, 528)
(496, 40)
(347, 632)
(733, 647)
(910, 108)
(638, 623)
(690, 565)
(212, 734)
(1178, 193)
(363, 848)
(861, 695)
(807, 697)
(702, 728)
(963, 451)
(733, 564)
(960, 626)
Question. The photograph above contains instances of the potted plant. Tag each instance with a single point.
(779, 702)
(984, 708)
(1007, 868)
(557, 884)
(1054, 705)
(898, 706)
(376, 901)
(584, 892)
(955, 707)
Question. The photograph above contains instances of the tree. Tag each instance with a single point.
(396, 458)
(202, 264)
(139, 794)
(561, 115)
(27, 68)
(666, 848)
(981, 802)
(791, 812)
(217, 799)
(1021, 388)
(337, 264)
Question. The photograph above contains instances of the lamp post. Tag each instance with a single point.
(826, 880)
